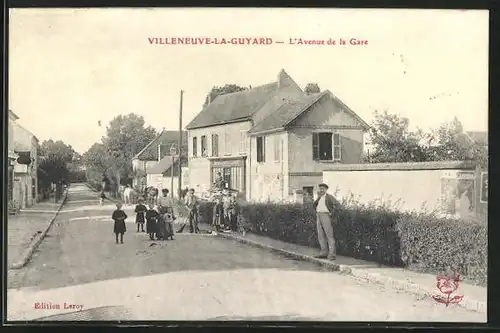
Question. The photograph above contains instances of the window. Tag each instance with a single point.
(195, 146)
(243, 141)
(277, 149)
(261, 149)
(204, 151)
(215, 145)
(163, 150)
(227, 142)
(326, 146)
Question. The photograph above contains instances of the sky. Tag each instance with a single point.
(71, 68)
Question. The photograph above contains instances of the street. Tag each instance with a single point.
(194, 277)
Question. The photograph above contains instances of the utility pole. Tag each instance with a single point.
(180, 147)
(172, 156)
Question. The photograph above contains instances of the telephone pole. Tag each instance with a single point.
(180, 146)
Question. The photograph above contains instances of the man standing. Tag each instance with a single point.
(192, 205)
(325, 206)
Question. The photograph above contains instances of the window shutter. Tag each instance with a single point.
(315, 146)
(263, 149)
(337, 147)
(215, 145)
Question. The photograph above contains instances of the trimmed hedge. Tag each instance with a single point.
(416, 241)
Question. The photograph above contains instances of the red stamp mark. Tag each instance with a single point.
(447, 286)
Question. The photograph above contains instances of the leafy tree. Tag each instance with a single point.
(452, 143)
(312, 88)
(222, 90)
(125, 137)
(393, 142)
(54, 159)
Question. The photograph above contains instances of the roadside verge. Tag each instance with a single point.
(28, 253)
(378, 275)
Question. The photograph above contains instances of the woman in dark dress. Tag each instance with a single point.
(140, 218)
(151, 220)
(119, 227)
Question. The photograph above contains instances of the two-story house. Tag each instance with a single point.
(154, 152)
(271, 140)
(25, 186)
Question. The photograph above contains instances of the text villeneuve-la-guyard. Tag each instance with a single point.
(251, 41)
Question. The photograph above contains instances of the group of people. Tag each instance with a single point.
(158, 218)
(225, 209)
(225, 212)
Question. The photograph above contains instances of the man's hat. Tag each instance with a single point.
(323, 185)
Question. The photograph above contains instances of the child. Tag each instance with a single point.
(218, 214)
(119, 217)
(101, 198)
(151, 216)
(168, 220)
(140, 218)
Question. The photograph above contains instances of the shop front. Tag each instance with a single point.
(232, 170)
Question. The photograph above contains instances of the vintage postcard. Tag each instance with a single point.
(198, 164)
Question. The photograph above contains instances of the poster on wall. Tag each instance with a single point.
(458, 193)
(484, 188)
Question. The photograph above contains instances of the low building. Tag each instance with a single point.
(165, 175)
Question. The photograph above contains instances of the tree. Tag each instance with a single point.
(125, 137)
(221, 90)
(55, 157)
(452, 143)
(393, 142)
(312, 88)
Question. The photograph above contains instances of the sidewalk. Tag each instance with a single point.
(25, 228)
(423, 285)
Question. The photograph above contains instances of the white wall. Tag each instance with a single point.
(410, 189)
(269, 179)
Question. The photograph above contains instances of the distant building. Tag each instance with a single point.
(160, 175)
(155, 151)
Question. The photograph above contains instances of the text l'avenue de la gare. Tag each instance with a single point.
(256, 41)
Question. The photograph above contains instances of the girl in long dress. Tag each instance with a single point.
(119, 227)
